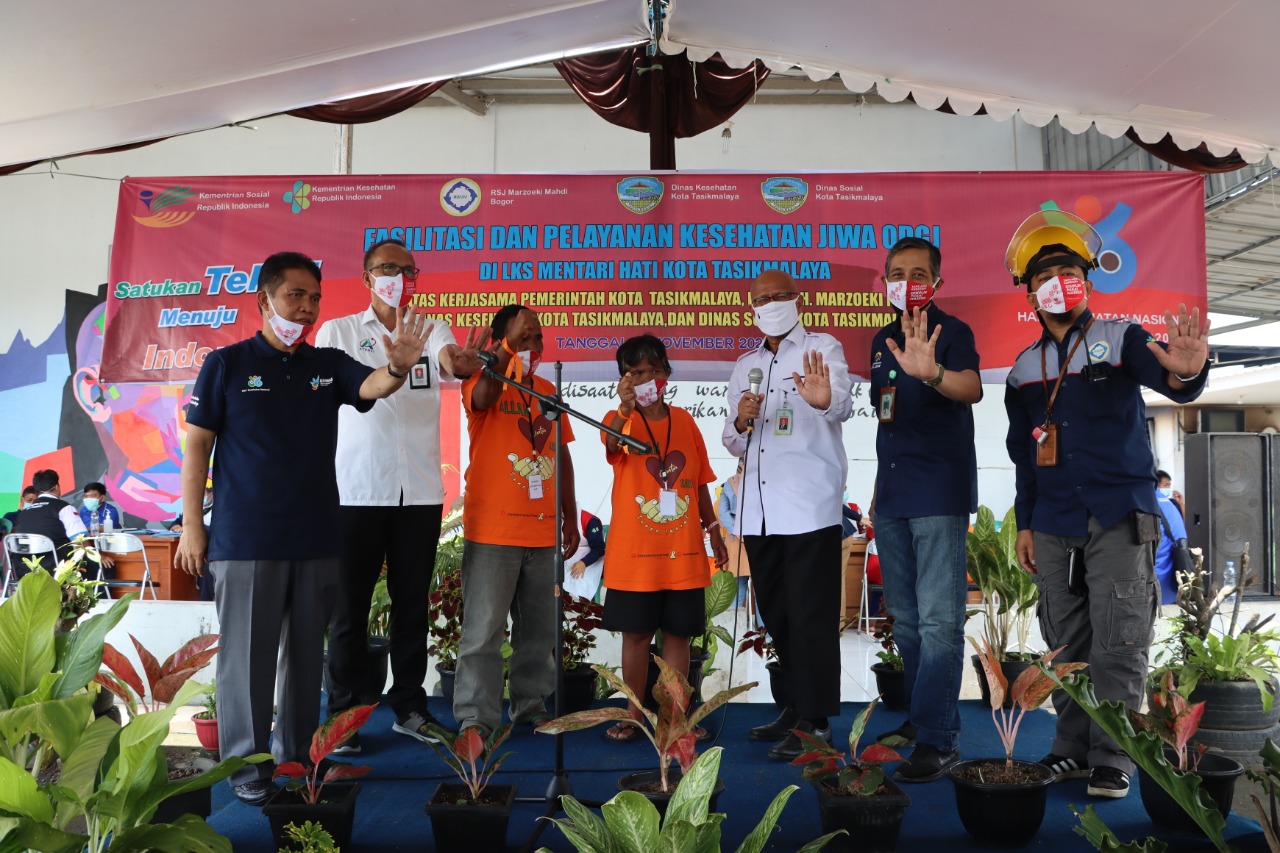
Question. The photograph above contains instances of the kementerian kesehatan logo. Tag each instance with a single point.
(460, 197)
(158, 206)
(784, 195)
(298, 198)
(640, 194)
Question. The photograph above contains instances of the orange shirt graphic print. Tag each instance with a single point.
(537, 431)
(665, 476)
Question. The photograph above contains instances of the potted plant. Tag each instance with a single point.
(717, 598)
(631, 822)
(79, 593)
(581, 618)
(206, 721)
(853, 792)
(311, 795)
(310, 837)
(758, 640)
(890, 671)
(444, 610)
(1267, 777)
(1009, 595)
(471, 814)
(670, 729)
(1001, 801)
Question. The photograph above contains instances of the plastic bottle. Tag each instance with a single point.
(107, 524)
(1229, 579)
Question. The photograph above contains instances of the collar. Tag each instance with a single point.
(1078, 326)
(265, 350)
(936, 315)
(795, 336)
(48, 495)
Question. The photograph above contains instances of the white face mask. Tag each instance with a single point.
(393, 290)
(649, 393)
(778, 318)
(287, 331)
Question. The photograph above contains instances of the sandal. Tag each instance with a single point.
(622, 732)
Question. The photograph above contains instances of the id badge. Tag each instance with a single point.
(782, 422)
(535, 487)
(888, 396)
(1046, 437)
(420, 374)
(667, 502)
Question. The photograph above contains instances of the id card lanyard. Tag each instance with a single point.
(535, 476)
(667, 495)
(1046, 435)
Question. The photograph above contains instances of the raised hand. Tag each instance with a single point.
(1188, 343)
(412, 329)
(917, 358)
(815, 385)
(466, 360)
(626, 396)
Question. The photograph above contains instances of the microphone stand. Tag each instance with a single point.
(552, 407)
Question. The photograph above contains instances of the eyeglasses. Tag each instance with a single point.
(395, 269)
(761, 301)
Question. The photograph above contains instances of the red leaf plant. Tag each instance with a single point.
(857, 774)
(1174, 719)
(305, 778)
(163, 679)
(1028, 692)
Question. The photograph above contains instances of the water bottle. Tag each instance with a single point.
(107, 524)
(1229, 579)
(94, 526)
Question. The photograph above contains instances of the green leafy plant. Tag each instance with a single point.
(472, 755)
(79, 593)
(1172, 718)
(380, 608)
(582, 617)
(1267, 777)
(311, 837)
(1009, 595)
(163, 679)
(630, 822)
(1028, 692)
(857, 775)
(670, 729)
(210, 704)
(889, 654)
(305, 778)
(717, 598)
(1096, 832)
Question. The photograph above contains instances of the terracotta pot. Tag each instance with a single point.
(207, 732)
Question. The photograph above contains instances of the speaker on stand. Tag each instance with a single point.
(1230, 490)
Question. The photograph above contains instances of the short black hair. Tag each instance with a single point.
(1163, 475)
(390, 241)
(642, 348)
(1054, 250)
(503, 318)
(44, 480)
(95, 487)
(935, 254)
(273, 269)
(29, 490)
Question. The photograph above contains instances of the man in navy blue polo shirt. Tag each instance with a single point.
(1085, 478)
(924, 381)
(269, 407)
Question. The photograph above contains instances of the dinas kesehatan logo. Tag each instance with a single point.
(460, 197)
(640, 195)
(298, 198)
(784, 195)
(160, 215)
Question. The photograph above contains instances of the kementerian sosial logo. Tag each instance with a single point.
(784, 195)
(460, 197)
(640, 194)
(298, 198)
(158, 206)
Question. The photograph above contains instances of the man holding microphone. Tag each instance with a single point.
(789, 400)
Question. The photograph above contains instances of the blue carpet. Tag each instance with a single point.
(390, 816)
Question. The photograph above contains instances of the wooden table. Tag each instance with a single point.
(171, 584)
(854, 573)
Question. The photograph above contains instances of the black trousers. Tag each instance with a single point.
(797, 581)
(406, 538)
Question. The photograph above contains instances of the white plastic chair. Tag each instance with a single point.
(19, 546)
(126, 543)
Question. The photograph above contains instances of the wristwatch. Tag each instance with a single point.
(937, 380)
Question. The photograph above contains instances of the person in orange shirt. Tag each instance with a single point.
(509, 534)
(655, 569)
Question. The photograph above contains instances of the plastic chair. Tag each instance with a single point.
(18, 546)
(126, 543)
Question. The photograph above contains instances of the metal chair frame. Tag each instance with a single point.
(126, 543)
(23, 545)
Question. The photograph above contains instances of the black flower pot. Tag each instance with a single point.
(1004, 815)
(446, 682)
(336, 812)
(1011, 669)
(1218, 775)
(1235, 705)
(873, 822)
(579, 690)
(470, 827)
(644, 780)
(891, 683)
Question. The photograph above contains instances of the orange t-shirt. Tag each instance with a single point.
(648, 551)
(509, 441)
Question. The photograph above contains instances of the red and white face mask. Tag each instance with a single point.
(1060, 294)
(288, 331)
(394, 290)
(650, 392)
(906, 295)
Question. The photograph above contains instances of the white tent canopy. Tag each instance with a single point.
(81, 76)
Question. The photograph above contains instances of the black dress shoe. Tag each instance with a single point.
(778, 729)
(792, 748)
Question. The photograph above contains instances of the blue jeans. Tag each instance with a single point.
(923, 563)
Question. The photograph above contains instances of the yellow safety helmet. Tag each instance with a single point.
(1049, 228)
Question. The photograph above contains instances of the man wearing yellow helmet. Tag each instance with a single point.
(1085, 506)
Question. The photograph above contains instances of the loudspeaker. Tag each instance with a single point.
(1231, 483)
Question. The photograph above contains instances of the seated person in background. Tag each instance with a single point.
(96, 513)
(49, 515)
(175, 526)
(727, 512)
(583, 570)
(28, 495)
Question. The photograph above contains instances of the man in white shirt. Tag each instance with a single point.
(390, 501)
(789, 505)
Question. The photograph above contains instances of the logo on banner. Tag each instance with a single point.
(784, 195)
(159, 215)
(460, 197)
(640, 195)
(298, 198)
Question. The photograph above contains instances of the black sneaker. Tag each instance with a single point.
(255, 793)
(778, 729)
(1065, 768)
(904, 735)
(416, 725)
(1109, 782)
(792, 747)
(350, 746)
(926, 763)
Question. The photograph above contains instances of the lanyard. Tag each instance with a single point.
(662, 454)
(528, 413)
(1044, 376)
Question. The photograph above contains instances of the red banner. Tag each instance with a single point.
(605, 257)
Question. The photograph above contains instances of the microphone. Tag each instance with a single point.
(487, 358)
(754, 376)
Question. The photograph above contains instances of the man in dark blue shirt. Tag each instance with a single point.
(1085, 478)
(269, 407)
(924, 381)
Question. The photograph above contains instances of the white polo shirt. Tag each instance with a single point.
(394, 448)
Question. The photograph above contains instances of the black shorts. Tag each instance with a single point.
(678, 612)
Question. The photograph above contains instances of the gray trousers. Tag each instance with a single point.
(1111, 629)
(272, 616)
(497, 580)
